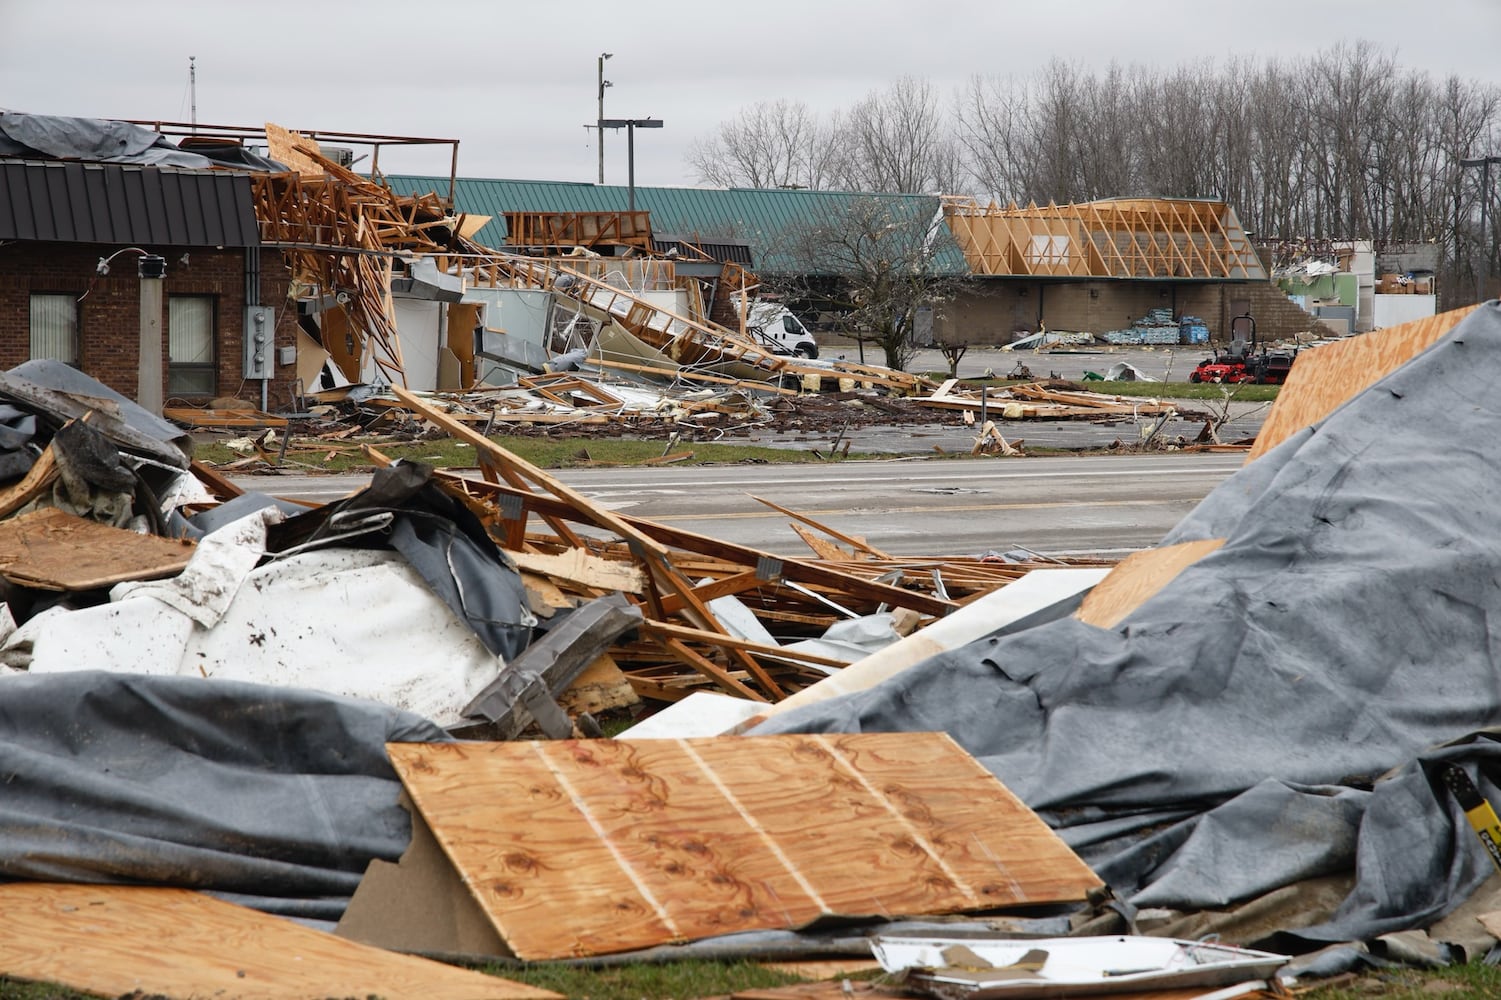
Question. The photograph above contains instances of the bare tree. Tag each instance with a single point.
(767, 145)
(897, 140)
(1344, 144)
(872, 258)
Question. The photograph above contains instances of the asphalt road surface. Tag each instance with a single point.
(1057, 506)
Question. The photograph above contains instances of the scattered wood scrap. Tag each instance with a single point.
(1043, 401)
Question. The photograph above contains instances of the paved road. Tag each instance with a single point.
(1101, 503)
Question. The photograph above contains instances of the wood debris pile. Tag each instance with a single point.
(1053, 400)
(675, 576)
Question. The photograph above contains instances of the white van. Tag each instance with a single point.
(773, 326)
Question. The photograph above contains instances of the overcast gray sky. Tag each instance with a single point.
(516, 82)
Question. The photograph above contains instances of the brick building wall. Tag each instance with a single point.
(109, 311)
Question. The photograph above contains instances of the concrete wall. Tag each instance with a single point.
(996, 311)
(109, 311)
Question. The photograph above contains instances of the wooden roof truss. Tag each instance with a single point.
(579, 229)
(1142, 238)
(341, 233)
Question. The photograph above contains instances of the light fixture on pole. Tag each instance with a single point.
(630, 125)
(599, 142)
(1484, 163)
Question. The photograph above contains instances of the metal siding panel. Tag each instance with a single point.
(58, 186)
(100, 212)
(182, 222)
(241, 199)
(18, 205)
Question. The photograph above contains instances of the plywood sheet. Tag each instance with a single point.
(591, 847)
(1138, 577)
(281, 145)
(1326, 378)
(54, 550)
(132, 940)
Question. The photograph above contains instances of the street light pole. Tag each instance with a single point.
(630, 125)
(600, 137)
(1484, 163)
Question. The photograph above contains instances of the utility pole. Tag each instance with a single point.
(599, 141)
(1484, 163)
(193, 90)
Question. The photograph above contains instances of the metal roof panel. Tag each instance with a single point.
(125, 205)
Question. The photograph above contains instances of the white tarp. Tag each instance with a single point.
(354, 622)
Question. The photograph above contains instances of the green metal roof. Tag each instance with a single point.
(755, 215)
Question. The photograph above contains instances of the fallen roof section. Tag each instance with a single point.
(587, 848)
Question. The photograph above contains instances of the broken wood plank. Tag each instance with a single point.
(53, 550)
(593, 847)
(853, 541)
(789, 569)
(602, 686)
(144, 941)
(195, 417)
(711, 670)
(728, 642)
(38, 480)
(582, 568)
(1138, 578)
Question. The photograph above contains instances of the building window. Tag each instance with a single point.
(54, 328)
(190, 346)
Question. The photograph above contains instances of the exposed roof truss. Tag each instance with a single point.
(1163, 238)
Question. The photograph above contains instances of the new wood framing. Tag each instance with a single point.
(1162, 238)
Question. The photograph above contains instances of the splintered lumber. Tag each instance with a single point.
(852, 541)
(579, 848)
(798, 571)
(117, 941)
(658, 568)
(38, 480)
(51, 549)
(576, 566)
(1138, 578)
(1326, 378)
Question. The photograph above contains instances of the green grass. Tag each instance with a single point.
(1460, 982)
(1244, 392)
(664, 981)
(546, 453)
(667, 981)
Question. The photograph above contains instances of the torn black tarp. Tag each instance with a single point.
(1223, 741)
(279, 797)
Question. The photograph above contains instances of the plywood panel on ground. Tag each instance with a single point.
(1138, 577)
(55, 550)
(1325, 378)
(590, 847)
(132, 940)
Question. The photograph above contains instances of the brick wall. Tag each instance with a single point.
(109, 310)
